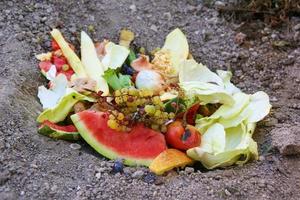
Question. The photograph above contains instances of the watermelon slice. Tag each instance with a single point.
(137, 147)
(55, 131)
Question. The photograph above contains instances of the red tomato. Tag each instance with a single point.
(182, 138)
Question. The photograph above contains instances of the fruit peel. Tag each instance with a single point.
(169, 159)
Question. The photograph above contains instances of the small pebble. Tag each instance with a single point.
(75, 146)
(264, 39)
(261, 158)
(33, 166)
(189, 170)
(138, 174)
(271, 122)
(159, 180)
(227, 192)
(153, 27)
(297, 27)
(167, 15)
(150, 178)
(98, 175)
(219, 4)
(133, 8)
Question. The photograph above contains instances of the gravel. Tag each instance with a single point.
(287, 139)
(36, 167)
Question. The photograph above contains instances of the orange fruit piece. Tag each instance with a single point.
(169, 159)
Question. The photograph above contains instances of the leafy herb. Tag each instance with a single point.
(117, 81)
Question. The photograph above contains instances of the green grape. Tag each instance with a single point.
(157, 107)
(130, 104)
(157, 113)
(117, 93)
(120, 116)
(150, 109)
(124, 90)
(112, 124)
(124, 98)
(163, 128)
(171, 115)
(156, 100)
(118, 100)
(165, 115)
(155, 127)
(150, 93)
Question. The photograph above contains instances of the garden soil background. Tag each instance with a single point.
(36, 167)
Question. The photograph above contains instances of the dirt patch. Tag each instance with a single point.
(33, 166)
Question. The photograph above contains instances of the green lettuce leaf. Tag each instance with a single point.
(259, 106)
(226, 111)
(206, 92)
(115, 81)
(226, 76)
(250, 108)
(239, 147)
(190, 70)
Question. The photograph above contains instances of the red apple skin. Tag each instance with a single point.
(175, 136)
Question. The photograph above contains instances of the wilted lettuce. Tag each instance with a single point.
(227, 133)
(63, 107)
(223, 147)
(206, 92)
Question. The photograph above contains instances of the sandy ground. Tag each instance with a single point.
(35, 167)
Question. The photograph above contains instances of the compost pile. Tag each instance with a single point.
(160, 109)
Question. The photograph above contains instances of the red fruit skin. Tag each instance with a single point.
(174, 136)
(68, 73)
(59, 62)
(45, 65)
(191, 114)
(54, 45)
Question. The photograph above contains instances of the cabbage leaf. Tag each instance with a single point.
(239, 147)
(115, 56)
(206, 92)
(61, 110)
(50, 97)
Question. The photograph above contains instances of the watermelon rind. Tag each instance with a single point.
(102, 149)
(58, 134)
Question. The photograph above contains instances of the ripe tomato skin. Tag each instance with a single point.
(182, 138)
(191, 114)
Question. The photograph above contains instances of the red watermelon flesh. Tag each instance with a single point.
(45, 66)
(137, 147)
(67, 128)
(68, 132)
(58, 62)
